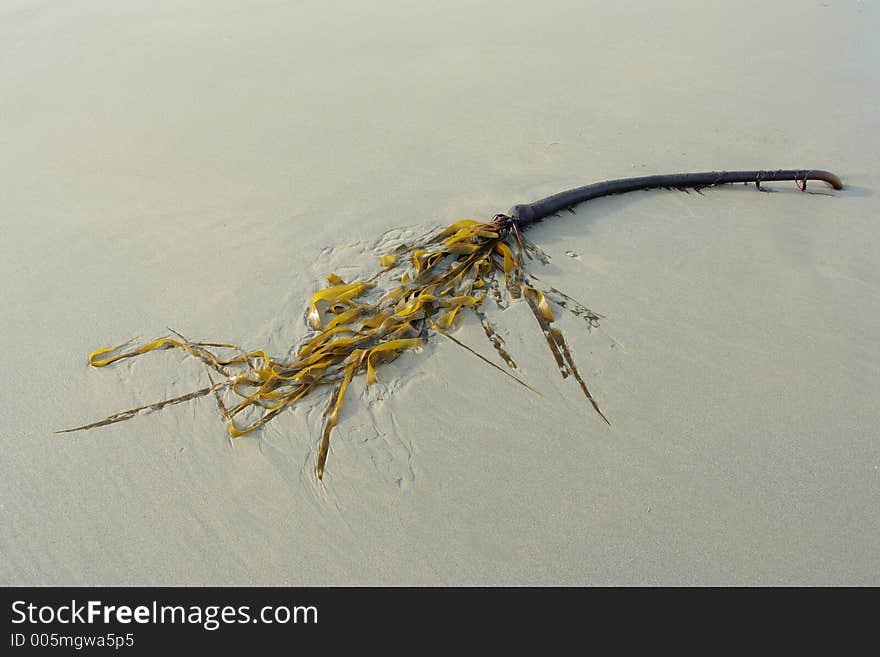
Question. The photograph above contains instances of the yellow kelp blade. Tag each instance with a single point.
(155, 406)
(454, 228)
(510, 262)
(336, 293)
(557, 344)
(161, 343)
(333, 408)
(321, 340)
(496, 340)
(391, 348)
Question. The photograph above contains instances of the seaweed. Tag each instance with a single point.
(422, 288)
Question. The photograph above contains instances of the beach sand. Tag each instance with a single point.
(204, 166)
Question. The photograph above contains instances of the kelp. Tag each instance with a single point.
(422, 288)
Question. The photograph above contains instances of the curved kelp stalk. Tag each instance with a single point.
(421, 289)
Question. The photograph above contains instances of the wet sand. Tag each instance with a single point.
(205, 167)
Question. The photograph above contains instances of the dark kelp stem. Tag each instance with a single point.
(525, 214)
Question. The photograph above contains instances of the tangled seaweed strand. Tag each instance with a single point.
(358, 327)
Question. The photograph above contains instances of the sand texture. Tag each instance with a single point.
(204, 166)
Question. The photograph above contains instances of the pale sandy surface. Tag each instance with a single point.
(186, 165)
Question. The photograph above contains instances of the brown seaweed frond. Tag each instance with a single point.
(422, 288)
